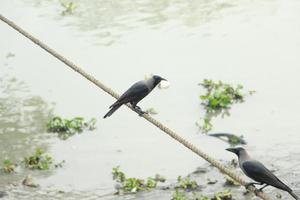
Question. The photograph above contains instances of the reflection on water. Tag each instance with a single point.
(110, 20)
(116, 14)
(22, 122)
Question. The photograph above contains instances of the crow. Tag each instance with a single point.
(135, 93)
(258, 172)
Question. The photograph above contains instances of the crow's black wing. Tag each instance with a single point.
(258, 172)
(134, 94)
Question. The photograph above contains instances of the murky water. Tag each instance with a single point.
(255, 43)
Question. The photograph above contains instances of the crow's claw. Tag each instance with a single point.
(137, 107)
(263, 187)
(251, 184)
(139, 111)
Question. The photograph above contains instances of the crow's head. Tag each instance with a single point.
(236, 151)
(157, 79)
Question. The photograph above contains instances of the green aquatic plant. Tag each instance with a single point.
(218, 99)
(224, 195)
(220, 95)
(68, 127)
(69, 8)
(197, 196)
(132, 185)
(118, 175)
(234, 140)
(179, 196)
(207, 125)
(186, 183)
(151, 183)
(8, 166)
(203, 198)
(39, 160)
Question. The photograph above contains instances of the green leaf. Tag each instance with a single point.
(219, 98)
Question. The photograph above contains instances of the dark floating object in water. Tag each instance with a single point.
(2, 194)
(200, 170)
(29, 181)
(231, 138)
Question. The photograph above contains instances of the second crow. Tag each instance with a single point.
(258, 172)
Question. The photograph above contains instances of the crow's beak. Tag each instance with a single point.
(164, 79)
(231, 150)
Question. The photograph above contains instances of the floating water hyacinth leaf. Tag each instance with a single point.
(132, 185)
(224, 195)
(68, 127)
(218, 100)
(8, 166)
(235, 140)
(199, 197)
(220, 95)
(207, 125)
(186, 183)
(118, 175)
(39, 160)
(69, 8)
(179, 196)
(151, 182)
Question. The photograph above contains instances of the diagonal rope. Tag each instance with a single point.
(153, 121)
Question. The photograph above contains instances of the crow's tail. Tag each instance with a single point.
(294, 195)
(112, 110)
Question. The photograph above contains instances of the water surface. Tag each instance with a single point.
(255, 43)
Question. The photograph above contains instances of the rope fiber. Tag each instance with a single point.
(153, 121)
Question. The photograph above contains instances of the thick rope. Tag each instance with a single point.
(158, 124)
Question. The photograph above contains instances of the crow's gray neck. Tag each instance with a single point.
(243, 156)
(150, 83)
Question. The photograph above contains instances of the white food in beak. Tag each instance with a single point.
(164, 84)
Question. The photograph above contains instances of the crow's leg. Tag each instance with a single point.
(137, 108)
(261, 189)
(140, 111)
(133, 104)
(252, 183)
